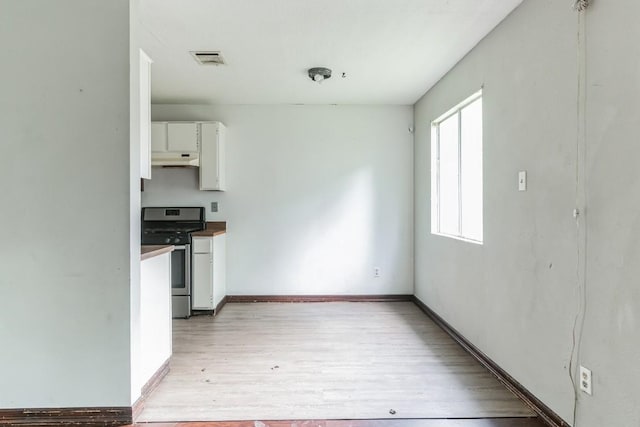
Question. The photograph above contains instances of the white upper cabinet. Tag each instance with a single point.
(212, 156)
(192, 144)
(159, 136)
(175, 143)
(145, 115)
(182, 137)
(174, 137)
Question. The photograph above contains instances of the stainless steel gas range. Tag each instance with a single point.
(173, 226)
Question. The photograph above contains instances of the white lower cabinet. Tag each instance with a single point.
(209, 275)
(151, 321)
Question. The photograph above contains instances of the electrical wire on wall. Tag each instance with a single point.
(581, 201)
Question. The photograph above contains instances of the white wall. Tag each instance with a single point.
(516, 297)
(64, 182)
(317, 196)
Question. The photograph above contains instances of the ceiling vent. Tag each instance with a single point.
(207, 58)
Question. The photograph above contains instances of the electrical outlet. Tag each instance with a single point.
(376, 271)
(214, 206)
(585, 380)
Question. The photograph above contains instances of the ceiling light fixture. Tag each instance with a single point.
(318, 74)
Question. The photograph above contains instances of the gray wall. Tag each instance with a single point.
(317, 196)
(65, 185)
(517, 296)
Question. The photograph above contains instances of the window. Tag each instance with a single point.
(456, 171)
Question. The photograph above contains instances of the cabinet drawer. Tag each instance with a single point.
(202, 245)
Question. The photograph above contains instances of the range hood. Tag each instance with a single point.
(175, 159)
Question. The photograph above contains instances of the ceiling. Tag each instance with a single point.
(391, 51)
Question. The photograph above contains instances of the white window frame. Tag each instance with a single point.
(435, 171)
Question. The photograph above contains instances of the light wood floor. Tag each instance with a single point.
(471, 422)
(337, 360)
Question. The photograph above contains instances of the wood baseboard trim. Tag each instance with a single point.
(318, 298)
(90, 417)
(220, 305)
(149, 387)
(545, 414)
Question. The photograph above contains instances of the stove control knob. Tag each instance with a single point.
(176, 240)
(167, 240)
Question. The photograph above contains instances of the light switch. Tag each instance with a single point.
(522, 181)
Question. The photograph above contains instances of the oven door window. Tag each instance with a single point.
(178, 276)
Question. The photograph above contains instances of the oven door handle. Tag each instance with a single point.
(187, 268)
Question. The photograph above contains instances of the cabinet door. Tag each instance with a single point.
(212, 157)
(182, 137)
(159, 136)
(145, 115)
(202, 281)
(219, 268)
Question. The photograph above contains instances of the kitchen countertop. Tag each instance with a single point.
(150, 251)
(214, 228)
